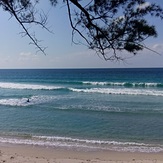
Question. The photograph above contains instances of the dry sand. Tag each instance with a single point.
(30, 154)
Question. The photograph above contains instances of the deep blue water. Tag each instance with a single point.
(88, 109)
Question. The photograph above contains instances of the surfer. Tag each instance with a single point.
(28, 100)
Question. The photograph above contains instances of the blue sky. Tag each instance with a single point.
(61, 53)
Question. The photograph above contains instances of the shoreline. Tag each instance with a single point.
(77, 144)
(36, 154)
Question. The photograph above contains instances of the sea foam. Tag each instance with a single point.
(125, 84)
(23, 101)
(84, 144)
(27, 86)
(120, 91)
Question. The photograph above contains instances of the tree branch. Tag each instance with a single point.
(23, 20)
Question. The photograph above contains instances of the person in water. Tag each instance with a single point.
(28, 100)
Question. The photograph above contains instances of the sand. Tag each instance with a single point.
(31, 154)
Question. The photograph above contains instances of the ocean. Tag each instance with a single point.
(83, 109)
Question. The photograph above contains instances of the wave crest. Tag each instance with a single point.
(120, 91)
(23, 101)
(83, 144)
(27, 86)
(125, 84)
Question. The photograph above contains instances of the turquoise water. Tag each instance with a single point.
(87, 109)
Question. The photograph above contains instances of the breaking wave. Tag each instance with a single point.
(7, 85)
(108, 90)
(23, 101)
(125, 84)
(83, 144)
(120, 91)
(27, 86)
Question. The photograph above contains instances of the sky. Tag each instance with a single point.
(16, 52)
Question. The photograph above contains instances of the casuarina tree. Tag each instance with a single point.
(106, 26)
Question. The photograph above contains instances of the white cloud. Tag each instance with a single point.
(7, 59)
(25, 54)
(158, 46)
(143, 5)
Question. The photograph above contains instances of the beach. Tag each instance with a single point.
(31, 154)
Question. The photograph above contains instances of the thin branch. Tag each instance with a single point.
(71, 23)
(26, 32)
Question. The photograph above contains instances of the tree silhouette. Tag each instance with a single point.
(106, 26)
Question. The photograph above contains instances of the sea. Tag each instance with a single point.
(83, 109)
